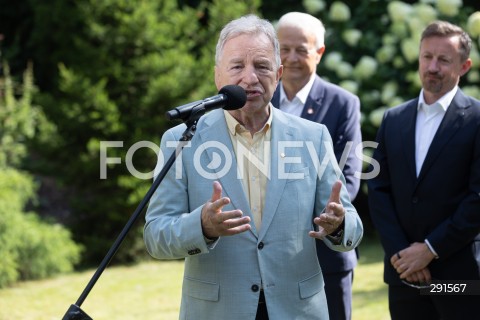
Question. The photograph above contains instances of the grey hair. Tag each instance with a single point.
(306, 22)
(252, 25)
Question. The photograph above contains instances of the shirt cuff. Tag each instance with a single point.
(431, 248)
(336, 237)
(210, 242)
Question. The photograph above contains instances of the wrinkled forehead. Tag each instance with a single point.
(247, 47)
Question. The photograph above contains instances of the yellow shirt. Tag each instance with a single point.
(253, 159)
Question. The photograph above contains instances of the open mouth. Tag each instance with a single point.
(253, 93)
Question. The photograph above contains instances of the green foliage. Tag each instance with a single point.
(16, 120)
(30, 248)
(117, 67)
(45, 249)
(15, 190)
(109, 70)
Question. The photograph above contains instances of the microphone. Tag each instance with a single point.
(230, 97)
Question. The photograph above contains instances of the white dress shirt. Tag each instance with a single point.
(295, 106)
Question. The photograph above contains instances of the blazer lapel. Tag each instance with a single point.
(452, 121)
(313, 109)
(281, 131)
(313, 106)
(276, 96)
(216, 131)
(408, 136)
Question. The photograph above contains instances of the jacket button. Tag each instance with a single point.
(260, 246)
(415, 199)
(255, 288)
(349, 243)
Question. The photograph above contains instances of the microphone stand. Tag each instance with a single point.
(75, 312)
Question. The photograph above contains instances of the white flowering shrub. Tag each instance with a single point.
(372, 48)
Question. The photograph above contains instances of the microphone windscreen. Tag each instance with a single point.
(237, 97)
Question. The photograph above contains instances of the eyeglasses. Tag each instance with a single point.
(416, 285)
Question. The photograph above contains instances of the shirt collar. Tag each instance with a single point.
(302, 95)
(234, 126)
(443, 102)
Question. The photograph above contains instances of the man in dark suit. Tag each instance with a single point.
(425, 201)
(303, 93)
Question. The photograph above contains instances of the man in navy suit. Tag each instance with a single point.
(425, 202)
(303, 93)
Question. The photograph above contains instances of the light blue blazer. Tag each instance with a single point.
(221, 280)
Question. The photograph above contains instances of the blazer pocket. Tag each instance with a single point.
(297, 174)
(201, 289)
(311, 286)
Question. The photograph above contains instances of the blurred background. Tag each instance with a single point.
(76, 74)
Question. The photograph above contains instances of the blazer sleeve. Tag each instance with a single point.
(172, 230)
(464, 224)
(353, 229)
(382, 210)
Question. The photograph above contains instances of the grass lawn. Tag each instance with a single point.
(151, 290)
